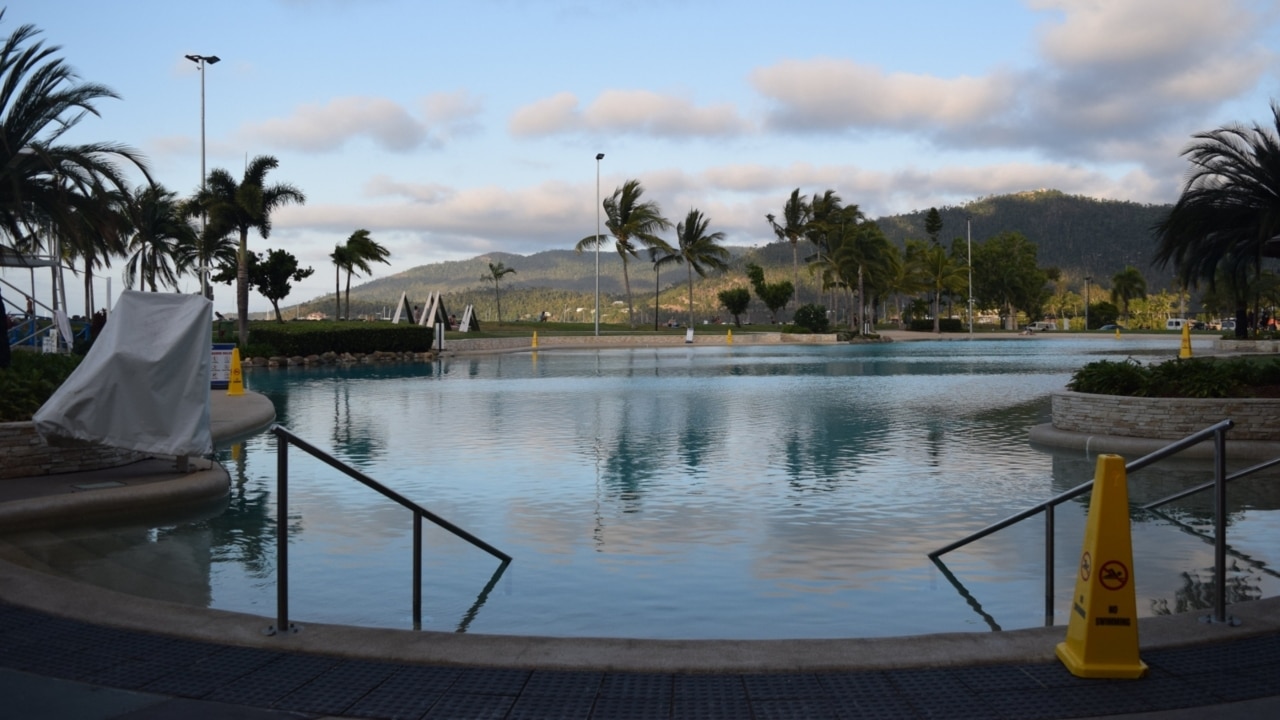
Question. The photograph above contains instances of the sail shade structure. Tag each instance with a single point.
(144, 385)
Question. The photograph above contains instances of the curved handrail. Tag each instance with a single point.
(1216, 432)
(286, 438)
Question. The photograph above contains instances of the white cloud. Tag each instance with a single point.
(327, 127)
(828, 93)
(639, 112)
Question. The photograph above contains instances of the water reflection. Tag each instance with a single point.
(731, 491)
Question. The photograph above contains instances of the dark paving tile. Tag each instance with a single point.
(130, 675)
(867, 707)
(409, 693)
(985, 678)
(782, 686)
(633, 708)
(490, 681)
(710, 687)
(342, 686)
(795, 708)
(551, 707)
(202, 710)
(938, 693)
(73, 665)
(461, 706)
(271, 682)
(654, 686)
(1235, 685)
(702, 708)
(563, 683)
(857, 683)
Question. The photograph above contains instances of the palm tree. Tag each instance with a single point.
(661, 254)
(157, 228)
(795, 218)
(56, 198)
(238, 207)
(942, 273)
(361, 248)
(699, 249)
(342, 257)
(496, 272)
(629, 221)
(44, 184)
(1127, 285)
(1229, 212)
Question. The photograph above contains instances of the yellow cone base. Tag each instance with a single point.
(1082, 668)
(1102, 634)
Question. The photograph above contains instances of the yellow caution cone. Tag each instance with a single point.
(1117, 332)
(728, 339)
(1102, 635)
(235, 386)
(535, 338)
(1185, 351)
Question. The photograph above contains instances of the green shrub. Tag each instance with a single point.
(812, 318)
(944, 325)
(29, 381)
(1106, 377)
(1189, 378)
(315, 338)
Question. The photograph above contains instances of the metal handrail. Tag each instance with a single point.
(1216, 431)
(287, 437)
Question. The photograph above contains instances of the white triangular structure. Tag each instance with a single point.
(469, 321)
(144, 385)
(435, 312)
(403, 307)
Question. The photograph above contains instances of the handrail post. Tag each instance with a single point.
(282, 535)
(1048, 566)
(417, 571)
(1220, 528)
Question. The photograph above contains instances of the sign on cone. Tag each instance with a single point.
(235, 385)
(1102, 635)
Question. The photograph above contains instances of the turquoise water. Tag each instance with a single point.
(688, 492)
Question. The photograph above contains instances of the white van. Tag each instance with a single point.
(1042, 326)
(1176, 323)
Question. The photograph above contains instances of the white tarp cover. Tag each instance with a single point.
(144, 385)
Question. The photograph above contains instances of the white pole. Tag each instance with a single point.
(599, 157)
(968, 232)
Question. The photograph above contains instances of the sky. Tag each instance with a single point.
(454, 129)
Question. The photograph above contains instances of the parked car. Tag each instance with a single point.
(1109, 328)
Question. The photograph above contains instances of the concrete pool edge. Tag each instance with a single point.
(25, 587)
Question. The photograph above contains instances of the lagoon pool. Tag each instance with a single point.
(687, 492)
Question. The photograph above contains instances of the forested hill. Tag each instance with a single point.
(1077, 234)
(1071, 232)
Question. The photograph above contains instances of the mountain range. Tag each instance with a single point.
(1077, 234)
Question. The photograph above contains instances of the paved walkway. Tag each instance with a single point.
(68, 651)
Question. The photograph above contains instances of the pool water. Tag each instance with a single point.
(689, 492)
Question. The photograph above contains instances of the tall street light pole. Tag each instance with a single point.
(201, 61)
(968, 233)
(1087, 279)
(599, 157)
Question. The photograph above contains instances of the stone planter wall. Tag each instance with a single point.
(23, 453)
(1164, 418)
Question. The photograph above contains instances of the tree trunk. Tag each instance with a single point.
(242, 289)
(689, 267)
(626, 281)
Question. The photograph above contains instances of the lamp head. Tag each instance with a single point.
(599, 156)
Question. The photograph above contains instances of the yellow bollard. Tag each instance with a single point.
(535, 338)
(235, 386)
(728, 339)
(1117, 332)
(1185, 351)
(1102, 635)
